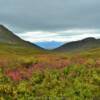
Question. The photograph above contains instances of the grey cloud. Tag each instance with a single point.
(49, 15)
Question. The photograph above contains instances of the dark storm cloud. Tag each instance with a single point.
(49, 15)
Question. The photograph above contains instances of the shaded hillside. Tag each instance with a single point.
(7, 36)
(9, 42)
(85, 44)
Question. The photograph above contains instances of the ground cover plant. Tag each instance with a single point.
(46, 76)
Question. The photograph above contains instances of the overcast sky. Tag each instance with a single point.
(51, 20)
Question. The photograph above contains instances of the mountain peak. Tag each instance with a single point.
(2, 27)
(7, 36)
(84, 44)
(89, 39)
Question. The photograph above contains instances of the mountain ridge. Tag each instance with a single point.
(49, 45)
(10, 44)
(85, 44)
(8, 37)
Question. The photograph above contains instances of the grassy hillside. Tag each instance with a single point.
(14, 50)
(9, 40)
(82, 45)
(7, 36)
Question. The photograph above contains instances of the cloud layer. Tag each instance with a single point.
(60, 36)
(26, 15)
(39, 20)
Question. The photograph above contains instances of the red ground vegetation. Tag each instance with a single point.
(25, 70)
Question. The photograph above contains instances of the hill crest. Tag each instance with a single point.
(8, 37)
(87, 43)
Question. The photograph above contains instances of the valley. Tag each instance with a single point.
(28, 72)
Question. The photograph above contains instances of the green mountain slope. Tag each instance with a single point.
(10, 43)
(82, 45)
(7, 36)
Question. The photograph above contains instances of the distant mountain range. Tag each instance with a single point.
(49, 45)
(7, 37)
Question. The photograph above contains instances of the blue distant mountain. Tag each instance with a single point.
(49, 44)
